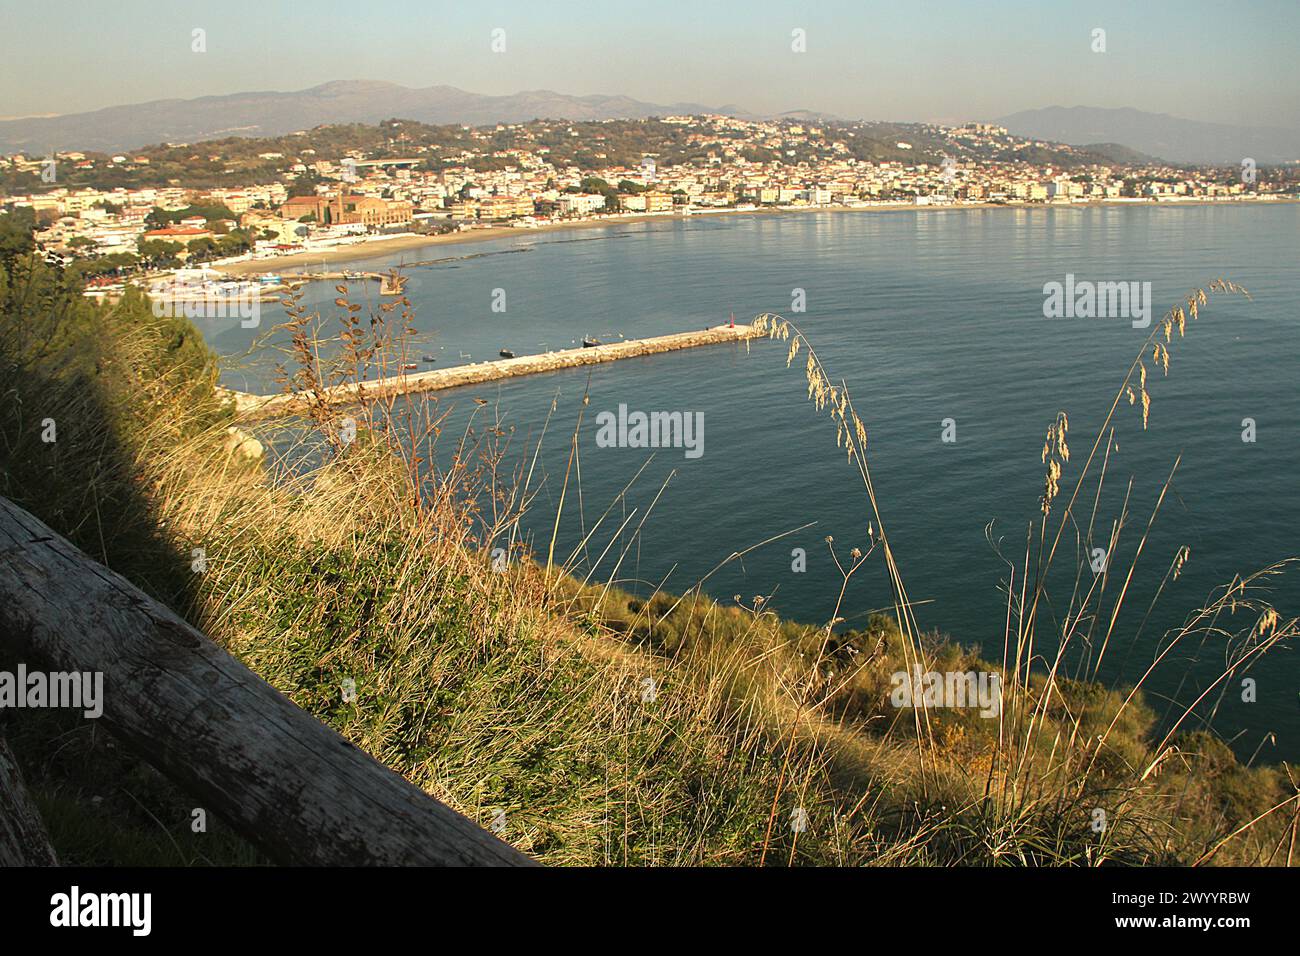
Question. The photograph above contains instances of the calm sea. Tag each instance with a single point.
(928, 316)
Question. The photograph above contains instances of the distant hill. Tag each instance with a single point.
(805, 116)
(1120, 135)
(1116, 153)
(276, 113)
(1170, 138)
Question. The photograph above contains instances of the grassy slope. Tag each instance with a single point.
(521, 698)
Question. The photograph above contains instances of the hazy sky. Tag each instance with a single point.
(1233, 62)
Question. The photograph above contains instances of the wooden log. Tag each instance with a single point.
(286, 781)
(23, 840)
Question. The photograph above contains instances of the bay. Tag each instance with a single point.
(928, 316)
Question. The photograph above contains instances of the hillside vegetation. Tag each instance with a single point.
(584, 724)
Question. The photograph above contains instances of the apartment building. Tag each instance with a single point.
(182, 234)
(505, 207)
(342, 209)
(579, 204)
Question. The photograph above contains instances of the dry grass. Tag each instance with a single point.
(590, 725)
(1051, 755)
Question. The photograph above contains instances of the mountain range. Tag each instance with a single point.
(275, 113)
(1157, 134)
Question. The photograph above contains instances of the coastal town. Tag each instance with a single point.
(843, 437)
(337, 191)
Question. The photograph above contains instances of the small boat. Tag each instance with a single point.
(427, 358)
(590, 343)
(409, 366)
(506, 353)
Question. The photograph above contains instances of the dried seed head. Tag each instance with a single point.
(1180, 559)
(1267, 622)
(860, 429)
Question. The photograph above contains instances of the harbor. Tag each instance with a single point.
(267, 406)
(210, 288)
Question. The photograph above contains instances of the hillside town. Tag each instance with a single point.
(516, 176)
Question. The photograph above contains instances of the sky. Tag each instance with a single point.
(1234, 62)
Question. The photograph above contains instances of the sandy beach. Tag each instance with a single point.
(375, 248)
(398, 244)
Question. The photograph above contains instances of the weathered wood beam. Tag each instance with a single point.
(23, 840)
(286, 781)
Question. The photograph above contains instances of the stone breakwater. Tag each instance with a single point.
(265, 406)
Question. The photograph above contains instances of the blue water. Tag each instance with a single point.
(927, 315)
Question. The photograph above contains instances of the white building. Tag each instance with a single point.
(580, 204)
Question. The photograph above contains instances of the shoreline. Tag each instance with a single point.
(376, 248)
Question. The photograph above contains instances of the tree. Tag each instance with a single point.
(304, 185)
(157, 252)
(115, 263)
(17, 237)
(201, 249)
(160, 217)
(594, 184)
(234, 242)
